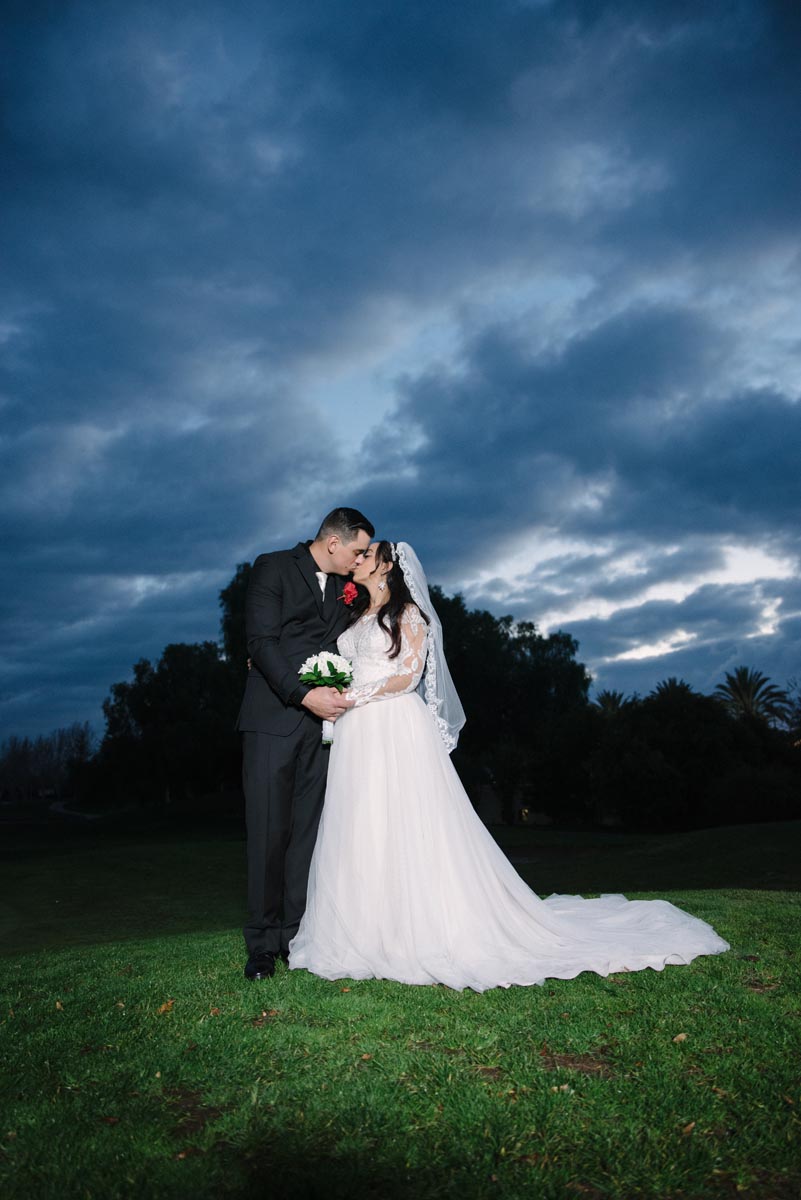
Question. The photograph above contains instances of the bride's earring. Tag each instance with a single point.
(382, 587)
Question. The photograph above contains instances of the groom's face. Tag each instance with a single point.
(344, 558)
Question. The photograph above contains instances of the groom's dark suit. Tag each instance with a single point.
(284, 763)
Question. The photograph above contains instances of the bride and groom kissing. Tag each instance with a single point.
(367, 860)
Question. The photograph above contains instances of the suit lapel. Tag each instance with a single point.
(335, 609)
(307, 568)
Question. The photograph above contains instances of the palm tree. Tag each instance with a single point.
(749, 693)
(610, 702)
(673, 689)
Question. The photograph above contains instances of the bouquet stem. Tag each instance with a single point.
(327, 670)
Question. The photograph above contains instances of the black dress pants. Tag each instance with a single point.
(284, 784)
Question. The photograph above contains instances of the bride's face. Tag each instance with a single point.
(365, 571)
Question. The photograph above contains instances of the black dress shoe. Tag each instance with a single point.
(260, 966)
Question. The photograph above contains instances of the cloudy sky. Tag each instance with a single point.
(519, 278)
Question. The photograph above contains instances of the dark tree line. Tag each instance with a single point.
(525, 697)
(170, 742)
(534, 743)
(678, 758)
(50, 766)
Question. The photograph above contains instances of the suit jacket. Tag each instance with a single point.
(286, 620)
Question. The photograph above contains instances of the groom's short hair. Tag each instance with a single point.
(345, 523)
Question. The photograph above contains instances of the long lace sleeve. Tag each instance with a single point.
(407, 668)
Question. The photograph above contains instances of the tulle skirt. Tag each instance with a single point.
(407, 884)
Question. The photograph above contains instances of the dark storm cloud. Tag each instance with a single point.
(602, 444)
(209, 208)
(612, 437)
(711, 613)
(580, 577)
(704, 665)
(129, 551)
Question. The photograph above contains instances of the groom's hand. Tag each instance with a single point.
(325, 702)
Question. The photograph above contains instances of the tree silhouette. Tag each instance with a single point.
(525, 696)
(610, 702)
(750, 694)
(673, 689)
(794, 713)
(673, 759)
(665, 761)
(51, 764)
(232, 622)
(170, 731)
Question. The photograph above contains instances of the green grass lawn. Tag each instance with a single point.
(138, 1062)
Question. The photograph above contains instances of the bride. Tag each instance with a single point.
(406, 883)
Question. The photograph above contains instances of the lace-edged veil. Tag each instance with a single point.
(436, 686)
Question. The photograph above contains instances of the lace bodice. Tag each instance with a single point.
(376, 676)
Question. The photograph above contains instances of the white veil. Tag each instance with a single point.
(436, 686)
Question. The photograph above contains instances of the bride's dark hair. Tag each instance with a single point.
(399, 597)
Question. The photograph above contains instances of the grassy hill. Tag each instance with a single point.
(139, 1062)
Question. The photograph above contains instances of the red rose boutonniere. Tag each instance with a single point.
(349, 593)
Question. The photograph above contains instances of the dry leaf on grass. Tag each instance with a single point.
(266, 1015)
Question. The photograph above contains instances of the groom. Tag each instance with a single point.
(294, 609)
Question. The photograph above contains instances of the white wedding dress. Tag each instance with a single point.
(407, 884)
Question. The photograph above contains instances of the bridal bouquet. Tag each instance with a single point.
(327, 670)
